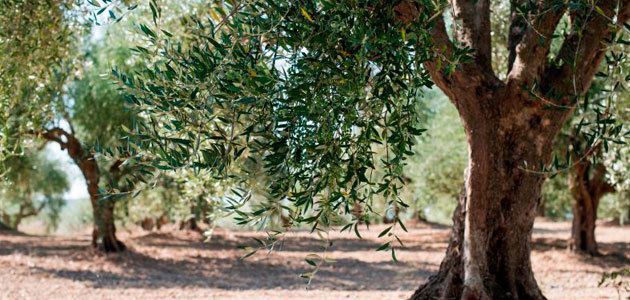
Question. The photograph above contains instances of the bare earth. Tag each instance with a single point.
(173, 264)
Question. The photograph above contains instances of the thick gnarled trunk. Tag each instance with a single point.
(104, 227)
(103, 209)
(586, 190)
(489, 253)
(511, 125)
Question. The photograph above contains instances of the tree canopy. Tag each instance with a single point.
(302, 87)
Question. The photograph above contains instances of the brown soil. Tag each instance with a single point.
(175, 264)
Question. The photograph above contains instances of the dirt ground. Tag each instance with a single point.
(173, 264)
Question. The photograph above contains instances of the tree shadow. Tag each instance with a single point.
(142, 271)
(613, 254)
(293, 243)
(212, 268)
(34, 245)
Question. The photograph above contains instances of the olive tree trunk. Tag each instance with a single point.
(511, 125)
(587, 189)
(104, 232)
(489, 253)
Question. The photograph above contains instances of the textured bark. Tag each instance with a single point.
(510, 131)
(586, 190)
(489, 253)
(104, 232)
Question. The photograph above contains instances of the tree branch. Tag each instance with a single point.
(530, 35)
(474, 32)
(468, 77)
(582, 50)
(55, 135)
(66, 115)
(598, 183)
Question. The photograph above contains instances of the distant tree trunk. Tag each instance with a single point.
(147, 224)
(161, 221)
(190, 224)
(27, 209)
(587, 189)
(104, 232)
(357, 211)
(286, 221)
(4, 226)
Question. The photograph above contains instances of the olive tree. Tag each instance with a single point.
(310, 87)
(32, 185)
(47, 83)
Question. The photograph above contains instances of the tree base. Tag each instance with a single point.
(190, 224)
(109, 246)
(449, 287)
(108, 243)
(5, 227)
(592, 251)
(507, 273)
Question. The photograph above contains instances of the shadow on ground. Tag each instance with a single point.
(176, 260)
(210, 265)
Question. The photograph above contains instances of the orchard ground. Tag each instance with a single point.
(177, 264)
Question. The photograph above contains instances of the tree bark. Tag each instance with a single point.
(104, 227)
(489, 253)
(190, 224)
(586, 190)
(104, 232)
(510, 125)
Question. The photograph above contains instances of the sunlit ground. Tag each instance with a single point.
(176, 264)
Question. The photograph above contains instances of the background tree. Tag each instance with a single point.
(32, 185)
(618, 161)
(435, 169)
(587, 182)
(41, 46)
(587, 178)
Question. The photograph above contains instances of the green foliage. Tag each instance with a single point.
(556, 198)
(436, 171)
(618, 163)
(36, 43)
(33, 184)
(306, 88)
(97, 108)
(616, 279)
(75, 216)
(179, 196)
